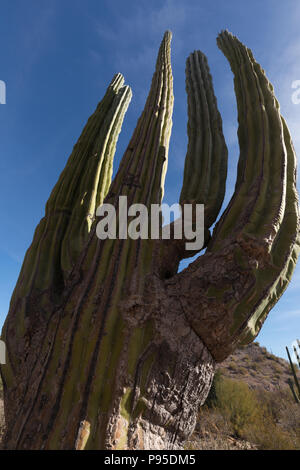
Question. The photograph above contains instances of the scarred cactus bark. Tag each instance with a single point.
(108, 347)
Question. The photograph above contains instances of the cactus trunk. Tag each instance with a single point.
(108, 347)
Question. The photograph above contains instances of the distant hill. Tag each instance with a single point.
(257, 367)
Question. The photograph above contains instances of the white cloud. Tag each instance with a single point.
(148, 24)
(12, 255)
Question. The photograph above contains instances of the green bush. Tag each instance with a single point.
(267, 419)
(260, 358)
(243, 371)
(267, 435)
(236, 402)
(212, 396)
(277, 368)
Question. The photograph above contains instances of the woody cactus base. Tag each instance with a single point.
(108, 347)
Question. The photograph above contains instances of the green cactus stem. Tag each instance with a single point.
(206, 160)
(296, 352)
(294, 386)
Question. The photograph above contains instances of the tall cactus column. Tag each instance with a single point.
(48, 269)
(108, 346)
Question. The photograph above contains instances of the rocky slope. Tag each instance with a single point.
(257, 367)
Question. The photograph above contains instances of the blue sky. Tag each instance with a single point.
(57, 58)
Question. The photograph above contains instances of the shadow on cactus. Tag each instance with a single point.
(108, 346)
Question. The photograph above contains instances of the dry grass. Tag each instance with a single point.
(215, 432)
(238, 417)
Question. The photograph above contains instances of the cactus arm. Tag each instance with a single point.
(275, 277)
(255, 246)
(296, 353)
(143, 167)
(205, 167)
(291, 385)
(61, 234)
(269, 214)
(254, 209)
(296, 381)
(95, 179)
(206, 160)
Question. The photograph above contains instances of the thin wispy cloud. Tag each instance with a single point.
(13, 256)
(33, 41)
(147, 24)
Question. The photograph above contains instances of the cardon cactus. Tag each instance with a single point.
(294, 384)
(108, 346)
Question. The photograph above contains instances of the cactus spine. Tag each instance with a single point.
(295, 387)
(108, 346)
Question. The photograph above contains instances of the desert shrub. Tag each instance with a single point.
(269, 436)
(260, 358)
(277, 368)
(290, 420)
(233, 366)
(236, 402)
(274, 402)
(212, 422)
(267, 419)
(276, 426)
(212, 396)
